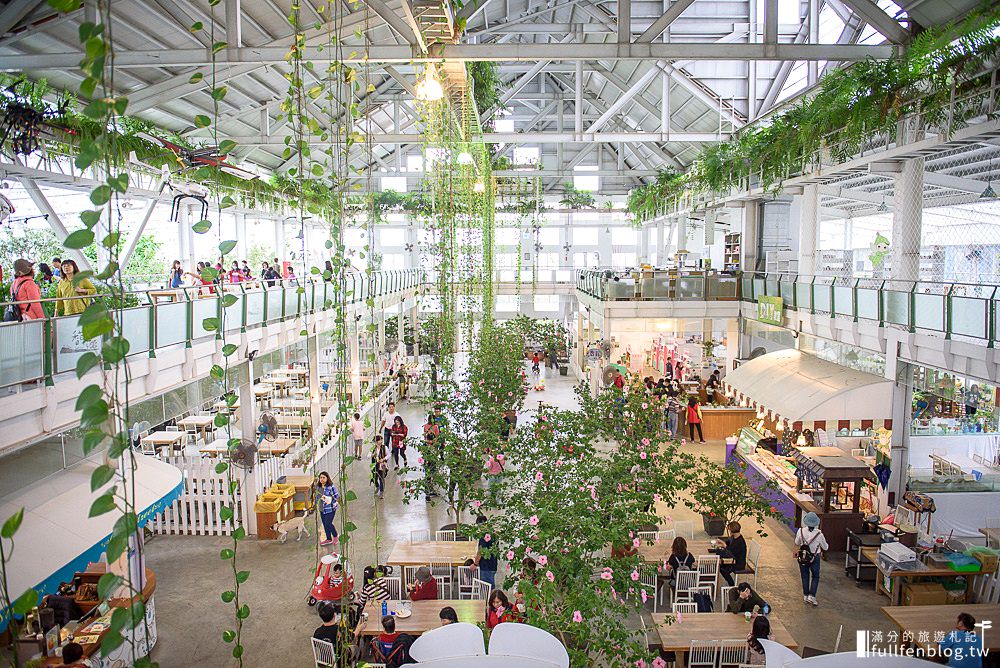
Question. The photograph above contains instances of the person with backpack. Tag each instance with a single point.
(812, 543)
(390, 647)
(26, 292)
(380, 466)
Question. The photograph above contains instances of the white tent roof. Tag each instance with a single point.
(800, 387)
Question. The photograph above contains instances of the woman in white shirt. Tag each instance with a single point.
(812, 543)
(358, 432)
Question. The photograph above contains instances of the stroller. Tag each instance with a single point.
(324, 588)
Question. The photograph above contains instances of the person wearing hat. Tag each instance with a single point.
(811, 543)
(25, 291)
(425, 588)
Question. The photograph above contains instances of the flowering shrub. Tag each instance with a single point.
(724, 492)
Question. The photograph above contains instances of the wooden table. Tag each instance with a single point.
(901, 575)
(677, 638)
(914, 619)
(261, 390)
(164, 439)
(659, 551)
(290, 422)
(449, 552)
(175, 295)
(278, 447)
(199, 422)
(425, 617)
(280, 383)
(221, 405)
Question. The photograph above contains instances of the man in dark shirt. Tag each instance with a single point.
(486, 557)
(744, 599)
(330, 631)
(736, 549)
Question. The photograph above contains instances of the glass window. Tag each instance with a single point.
(947, 403)
(394, 261)
(414, 163)
(548, 260)
(623, 260)
(355, 236)
(584, 236)
(623, 236)
(506, 236)
(391, 237)
(583, 181)
(548, 236)
(547, 303)
(505, 261)
(585, 260)
(397, 183)
(508, 303)
(504, 125)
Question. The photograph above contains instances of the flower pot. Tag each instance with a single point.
(714, 525)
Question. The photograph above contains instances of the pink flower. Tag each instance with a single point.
(533, 520)
(641, 663)
(487, 538)
(420, 460)
(542, 560)
(550, 576)
(607, 573)
(645, 405)
(538, 476)
(644, 595)
(577, 617)
(642, 455)
(510, 394)
(543, 418)
(645, 441)
(477, 503)
(656, 497)
(535, 537)
(684, 441)
(658, 662)
(636, 542)
(635, 576)
(510, 554)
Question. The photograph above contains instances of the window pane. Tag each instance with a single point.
(549, 236)
(623, 236)
(507, 236)
(623, 260)
(584, 236)
(391, 237)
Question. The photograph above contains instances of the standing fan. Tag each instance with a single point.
(267, 429)
(244, 455)
(137, 429)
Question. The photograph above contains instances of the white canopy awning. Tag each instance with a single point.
(801, 387)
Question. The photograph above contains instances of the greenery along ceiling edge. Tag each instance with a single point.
(848, 106)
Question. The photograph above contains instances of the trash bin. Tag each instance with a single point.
(267, 508)
(563, 370)
(286, 493)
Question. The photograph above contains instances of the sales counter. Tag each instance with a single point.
(718, 422)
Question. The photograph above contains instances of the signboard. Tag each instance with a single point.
(594, 354)
(769, 310)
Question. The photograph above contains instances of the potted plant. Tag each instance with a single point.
(722, 494)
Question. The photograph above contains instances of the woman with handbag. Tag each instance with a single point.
(812, 543)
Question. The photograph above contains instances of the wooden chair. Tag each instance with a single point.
(733, 653)
(684, 528)
(685, 608)
(703, 653)
(481, 590)
(323, 653)
(448, 534)
(420, 536)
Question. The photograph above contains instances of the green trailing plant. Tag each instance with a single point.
(574, 198)
(724, 492)
(487, 87)
(944, 76)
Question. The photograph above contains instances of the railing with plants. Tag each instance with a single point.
(40, 349)
(946, 79)
(657, 284)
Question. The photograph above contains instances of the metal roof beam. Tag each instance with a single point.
(655, 30)
(874, 16)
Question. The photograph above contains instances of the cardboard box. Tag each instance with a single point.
(924, 593)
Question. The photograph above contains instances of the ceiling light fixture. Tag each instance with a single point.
(479, 187)
(429, 87)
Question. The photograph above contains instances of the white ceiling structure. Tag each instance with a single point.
(625, 87)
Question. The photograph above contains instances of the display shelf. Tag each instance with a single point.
(731, 252)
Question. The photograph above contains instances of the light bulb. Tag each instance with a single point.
(479, 187)
(429, 87)
(465, 158)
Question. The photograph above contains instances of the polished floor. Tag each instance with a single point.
(191, 617)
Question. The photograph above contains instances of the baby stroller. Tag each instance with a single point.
(328, 585)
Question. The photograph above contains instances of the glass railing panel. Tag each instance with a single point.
(234, 315)
(803, 296)
(822, 296)
(29, 465)
(758, 287)
(657, 286)
(843, 300)
(690, 287)
(291, 301)
(275, 296)
(969, 317)
(786, 290)
(621, 289)
(255, 307)
(929, 311)
(897, 307)
(203, 308)
(746, 283)
(69, 344)
(723, 287)
(21, 351)
(868, 303)
(771, 285)
(135, 328)
(171, 324)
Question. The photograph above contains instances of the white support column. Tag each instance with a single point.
(192, 217)
(907, 220)
(812, 18)
(354, 346)
(415, 326)
(243, 243)
(682, 231)
(578, 108)
(751, 236)
(665, 103)
(401, 331)
(643, 244)
(279, 239)
(604, 247)
(315, 407)
(711, 217)
(248, 427)
(899, 445)
(808, 224)
(182, 236)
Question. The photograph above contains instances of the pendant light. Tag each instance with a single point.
(429, 87)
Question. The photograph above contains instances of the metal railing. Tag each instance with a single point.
(658, 284)
(33, 350)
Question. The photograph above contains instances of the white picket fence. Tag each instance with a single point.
(196, 510)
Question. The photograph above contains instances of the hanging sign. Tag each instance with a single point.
(769, 310)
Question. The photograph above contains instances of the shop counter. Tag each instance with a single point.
(718, 422)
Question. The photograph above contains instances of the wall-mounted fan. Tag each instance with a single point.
(135, 433)
(244, 455)
(609, 375)
(267, 429)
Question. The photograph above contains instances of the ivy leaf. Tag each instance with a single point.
(101, 476)
(196, 78)
(26, 601)
(110, 241)
(120, 182)
(229, 300)
(88, 153)
(115, 350)
(228, 596)
(221, 467)
(218, 46)
(87, 361)
(226, 554)
(195, 27)
(12, 524)
(98, 328)
(100, 195)
(90, 218)
(240, 533)
(210, 324)
(202, 121)
(242, 576)
(226, 146)
(219, 93)
(80, 238)
(217, 372)
(221, 419)
(229, 348)
(201, 226)
(88, 395)
(112, 641)
(107, 585)
(101, 505)
(227, 202)
(243, 612)
(226, 247)
(228, 636)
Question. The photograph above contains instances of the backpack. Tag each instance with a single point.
(399, 655)
(703, 601)
(13, 312)
(805, 556)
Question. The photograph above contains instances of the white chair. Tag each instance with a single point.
(666, 536)
(708, 570)
(753, 561)
(481, 590)
(420, 536)
(394, 586)
(527, 642)
(684, 528)
(724, 597)
(442, 573)
(448, 534)
(685, 608)
(703, 653)
(410, 574)
(451, 641)
(777, 654)
(323, 653)
(466, 574)
(172, 428)
(686, 580)
(647, 536)
(147, 448)
(648, 580)
(733, 653)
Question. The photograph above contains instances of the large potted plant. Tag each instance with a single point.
(722, 494)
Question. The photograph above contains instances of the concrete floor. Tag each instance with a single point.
(191, 617)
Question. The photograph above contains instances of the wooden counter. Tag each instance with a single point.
(718, 423)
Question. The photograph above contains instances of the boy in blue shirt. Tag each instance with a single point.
(962, 646)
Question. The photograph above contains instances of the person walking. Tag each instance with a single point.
(486, 560)
(694, 419)
(812, 543)
(380, 467)
(328, 502)
(358, 433)
(431, 456)
(73, 299)
(399, 432)
(673, 411)
(387, 421)
(26, 292)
